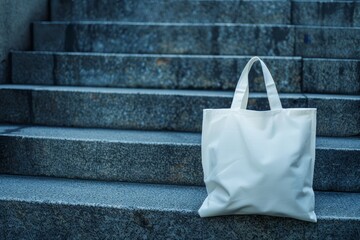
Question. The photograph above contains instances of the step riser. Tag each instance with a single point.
(161, 71)
(327, 43)
(184, 72)
(335, 169)
(326, 13)
(85, 222)
(172, 11)
(270, 12)
(331, 76)
(119, 38)
(335, 117)
(198, 39)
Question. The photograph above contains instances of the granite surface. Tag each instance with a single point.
(318, 13)
(146, 156)
(291, 74)
(337, 113)
(15, 106)
(175, 38)
(326, 13)
(331, 42)
(179, 110)
(331, 76)
(72, 209)
(172, 11)
(16, 17)
(186, 38)
(180, 47)
(150, 71)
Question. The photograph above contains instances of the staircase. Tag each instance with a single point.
(101, 127)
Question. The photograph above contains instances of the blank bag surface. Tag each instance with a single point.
(259, 162)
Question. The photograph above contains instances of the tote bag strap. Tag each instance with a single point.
(241, 96)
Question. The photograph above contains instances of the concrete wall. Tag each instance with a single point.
(15, 28)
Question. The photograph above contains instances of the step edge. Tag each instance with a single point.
(323, 145)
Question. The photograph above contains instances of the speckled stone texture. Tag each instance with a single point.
(338, 42)
(56, 209)
(172, 11)
(331, 76)
(223, 39)
(179, 110)
(15, 106)
(336, 113)
(104, 158)
(150, 71)
(144, 156)
(326, 13)
(183, 56)
(340, 76)
(16, 17)
(319, 13)
(117, 37)
(131, 108)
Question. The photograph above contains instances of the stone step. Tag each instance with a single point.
(146, 156)
(326, 13)
(151, 71)
(181, 38)
(291, 74)
(330, 13)
(331, 75)
(153, 109)
(50, 208)
(172, 11)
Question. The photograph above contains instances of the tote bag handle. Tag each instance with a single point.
(241, 96)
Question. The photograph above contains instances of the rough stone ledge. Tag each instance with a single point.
(180, 38)
(173, 11)
(154, 109)
(291, 74)
(58, 208)
(150, 70)
(213, 39)
(146, 156)
(331, 75)
(298, 12)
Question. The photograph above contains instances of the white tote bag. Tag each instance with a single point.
(259, 162)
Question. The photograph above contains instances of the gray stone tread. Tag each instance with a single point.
(115, 90)
(40, 52)
(166, 198)
(207, 93)
(161, 24)
(138, 136)
(322, 59)
(132, 90)
(101, 134)
(112, 23)
(206, 56)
